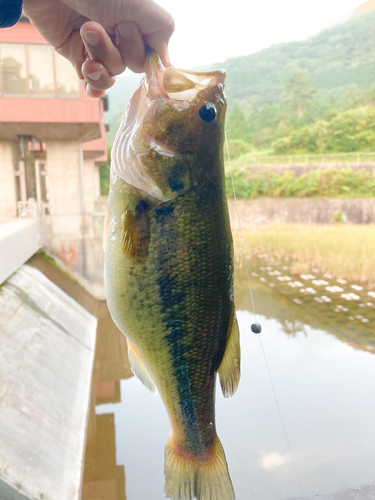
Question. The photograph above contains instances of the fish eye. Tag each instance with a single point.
(208, 112)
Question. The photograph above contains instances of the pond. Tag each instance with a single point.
(302, 420)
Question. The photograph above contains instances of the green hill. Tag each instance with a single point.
(339, 58)
(118, 97)
(364, 8)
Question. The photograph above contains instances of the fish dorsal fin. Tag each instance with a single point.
(136, 233)
(138, 368)
(229, 369)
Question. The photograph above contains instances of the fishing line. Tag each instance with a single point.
(242, 241)
(281, 418)
(256, 328)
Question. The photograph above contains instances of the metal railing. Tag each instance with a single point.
(308, 159)
(27, 209)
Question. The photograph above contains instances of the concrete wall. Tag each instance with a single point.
(74, 237)
(8, 202)
(19, 240)
(76, 243)
(64, 177)
(301, 210)
(302, 168)
(92, 185)
(365, 492)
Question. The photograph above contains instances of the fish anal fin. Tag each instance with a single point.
(229, 369)
(189, 478)
(138, 368)
(135, 237)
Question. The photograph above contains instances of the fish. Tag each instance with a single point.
(169, 265)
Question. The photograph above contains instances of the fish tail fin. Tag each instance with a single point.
(189, 478)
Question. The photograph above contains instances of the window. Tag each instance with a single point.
(36, 71)
(67, 83)
(41, 81)
(13, 69)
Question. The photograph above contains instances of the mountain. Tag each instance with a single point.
(364, 8)
(118, 97)
(339, 58)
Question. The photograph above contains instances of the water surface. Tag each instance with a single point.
(318, 434)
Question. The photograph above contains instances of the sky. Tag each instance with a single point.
(210, 31)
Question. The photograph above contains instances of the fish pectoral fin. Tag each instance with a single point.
(135, 235)
(229, 369)
(138, 368)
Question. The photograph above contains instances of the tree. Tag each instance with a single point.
(299, 92)
(105, 174)
(237, 126)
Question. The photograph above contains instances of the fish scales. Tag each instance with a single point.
(169, 287)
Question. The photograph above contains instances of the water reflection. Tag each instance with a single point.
(319, 354)
(343, 309)
(103, 479)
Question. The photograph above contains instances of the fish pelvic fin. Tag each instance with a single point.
(138, 368)
(230, 367)
(189, 478)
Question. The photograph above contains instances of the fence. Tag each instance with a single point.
(308, 159)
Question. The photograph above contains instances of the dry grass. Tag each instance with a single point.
(345, 251)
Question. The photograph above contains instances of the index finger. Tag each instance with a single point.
(156, 25)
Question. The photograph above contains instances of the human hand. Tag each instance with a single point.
(102, 37)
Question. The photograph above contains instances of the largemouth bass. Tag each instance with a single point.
(168, 265)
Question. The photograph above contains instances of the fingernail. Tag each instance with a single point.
(85, 85)
(91, 38)
(95, 76)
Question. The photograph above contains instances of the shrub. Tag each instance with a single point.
(343, 183)
(237, 148)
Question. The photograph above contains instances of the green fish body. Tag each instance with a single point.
(169, 269)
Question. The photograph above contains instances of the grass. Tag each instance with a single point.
(54, 263)
(345, 251)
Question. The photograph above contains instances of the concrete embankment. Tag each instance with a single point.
(365, 492)
(262, 211)
(47, 343)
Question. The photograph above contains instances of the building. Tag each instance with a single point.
(52, 143)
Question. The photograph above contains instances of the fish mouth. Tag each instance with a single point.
(174, 84)
(132, 142)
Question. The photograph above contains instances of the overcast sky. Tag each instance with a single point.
(209, 31)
